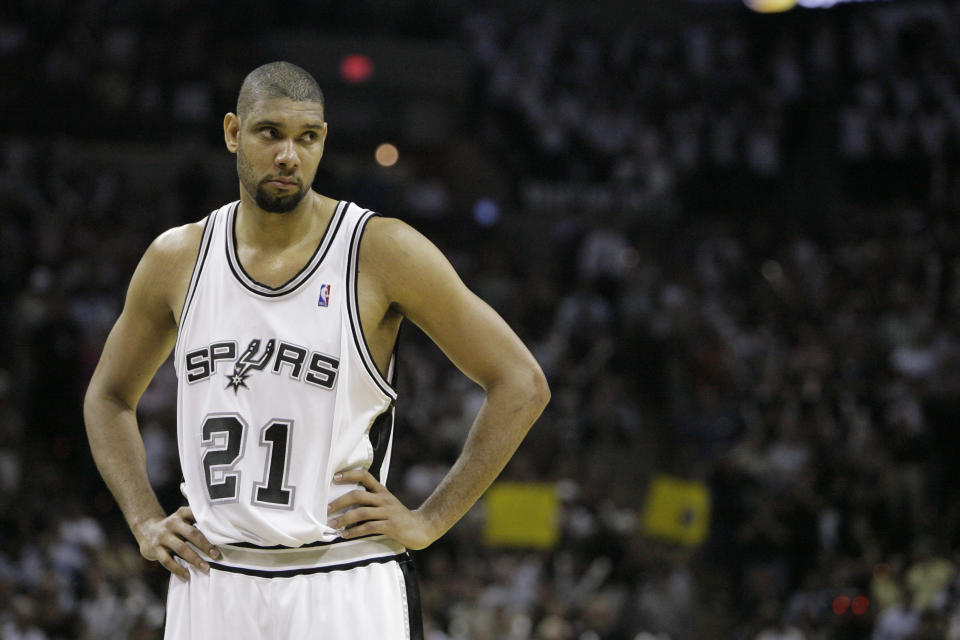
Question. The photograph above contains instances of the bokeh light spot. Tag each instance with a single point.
(860, 605)
(486, 212)
(841, 604)
(386, 155)
(356, 68)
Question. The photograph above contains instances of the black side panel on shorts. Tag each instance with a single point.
(413, 596)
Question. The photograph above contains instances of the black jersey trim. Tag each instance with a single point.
(392, 369)
(289, 573)
(385, 424)
(202, 251)
(302, 276)
(353, 307)
(380, 435)
(414, 609)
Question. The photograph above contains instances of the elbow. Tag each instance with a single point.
(94, 396)
(540, 389)
(92, 401)
(90, 397)
(99, 401)
(524, 388)
(92, 392)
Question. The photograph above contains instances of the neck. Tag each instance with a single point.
(261, 229)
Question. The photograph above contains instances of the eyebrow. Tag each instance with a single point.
(279, 125)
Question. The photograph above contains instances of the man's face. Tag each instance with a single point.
(279, 144)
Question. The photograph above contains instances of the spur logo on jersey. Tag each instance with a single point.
(248, 362)
(324, 299)
(277, 356)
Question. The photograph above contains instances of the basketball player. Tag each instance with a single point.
(282, 311)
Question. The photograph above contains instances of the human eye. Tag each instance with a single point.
(309, 136)
(269, 132)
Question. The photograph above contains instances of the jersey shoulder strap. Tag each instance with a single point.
(203, 254)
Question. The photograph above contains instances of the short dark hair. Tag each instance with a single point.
(277, 80)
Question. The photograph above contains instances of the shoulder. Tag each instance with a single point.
(390, 234)
(395, 244)
(396, 250)
(164, 271)
(178, 244)
(408, 268)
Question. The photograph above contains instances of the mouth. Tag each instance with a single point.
(284, 183)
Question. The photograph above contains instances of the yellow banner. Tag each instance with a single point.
(677, 510)
(521, 515)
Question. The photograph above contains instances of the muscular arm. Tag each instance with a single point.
(422, 285)
(139, 342)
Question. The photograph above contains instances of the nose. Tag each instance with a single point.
(287, 155)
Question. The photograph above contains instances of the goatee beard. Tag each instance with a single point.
(278, 204)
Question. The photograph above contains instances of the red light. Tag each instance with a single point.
(840, 605)
(356, 68)
(860, 605)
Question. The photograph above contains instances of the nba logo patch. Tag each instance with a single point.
(324, 299)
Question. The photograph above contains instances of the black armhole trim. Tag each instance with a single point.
(353, 304)
(385, 424)
(380, 435)
(392, 374)
(202, 252)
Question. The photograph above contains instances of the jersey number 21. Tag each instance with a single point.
(223, 440)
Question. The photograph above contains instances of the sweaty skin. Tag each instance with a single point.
(401, 275)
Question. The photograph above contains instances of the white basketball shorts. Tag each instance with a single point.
(361, 589)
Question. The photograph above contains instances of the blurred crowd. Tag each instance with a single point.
(732, 244)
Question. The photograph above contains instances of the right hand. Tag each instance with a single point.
(165, 539)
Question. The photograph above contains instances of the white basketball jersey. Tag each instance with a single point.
(277, 390)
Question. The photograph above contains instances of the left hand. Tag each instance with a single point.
(380, 512)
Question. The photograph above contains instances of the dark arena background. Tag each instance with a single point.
(729, 234)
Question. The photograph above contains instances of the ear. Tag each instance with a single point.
(323, 138)
(231, 131)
